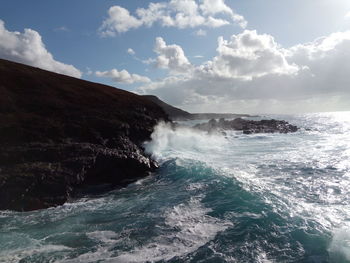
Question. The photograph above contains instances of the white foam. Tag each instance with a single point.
(168, 142)
(195, 186)
(189, 227)
(54, 214)
(340, 246)
(104, 251)
(193, 228)
(19, 254)
(107, 237)
(102, 254)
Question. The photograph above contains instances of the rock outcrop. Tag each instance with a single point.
(248, 126)
(59, 133)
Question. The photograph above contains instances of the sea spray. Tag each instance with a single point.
(182, 142)
(340, 246)
(215, 198)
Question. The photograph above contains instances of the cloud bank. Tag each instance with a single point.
(122, 76)
(28, 48)
(175, 13)
(253, 73)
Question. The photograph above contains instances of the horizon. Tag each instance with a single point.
(256, 57)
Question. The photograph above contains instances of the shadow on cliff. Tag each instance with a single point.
(58, 133)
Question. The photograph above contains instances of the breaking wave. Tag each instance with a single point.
(215, 198)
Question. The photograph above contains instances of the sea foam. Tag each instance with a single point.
(191, 227)
(169, 142)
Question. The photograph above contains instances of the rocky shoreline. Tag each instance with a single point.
(59, 134)
(247, 126)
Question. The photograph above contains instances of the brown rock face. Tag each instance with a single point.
(59, 133)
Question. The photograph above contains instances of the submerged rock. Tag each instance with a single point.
(248, 126)
(58, 134)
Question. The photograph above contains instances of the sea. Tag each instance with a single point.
(215, 198)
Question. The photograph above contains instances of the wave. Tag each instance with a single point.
(303, 177)
(191, 227)
(187, 227)
(182, 142)
(340, 245)
(215, 198)
(18, 255)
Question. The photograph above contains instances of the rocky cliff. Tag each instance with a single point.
(59, 133)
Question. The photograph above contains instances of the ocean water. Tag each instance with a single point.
(215, 198)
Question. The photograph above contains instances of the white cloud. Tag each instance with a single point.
(213, 7)
(122, 76)
(201, 32)
(119, 20)
(61, 29)
(252, 73)
(347, 15)
(216, 22)
(188, 7)
(28, 48)
(249, 55)
(149, 61)
(171, 57)
(176, 13)
(131, 51)
(154, 12)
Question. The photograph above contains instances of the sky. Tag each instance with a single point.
(238, 56)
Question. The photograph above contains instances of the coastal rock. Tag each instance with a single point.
(248, 126)
(59, 134)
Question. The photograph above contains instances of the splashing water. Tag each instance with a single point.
(182, 142)
(232, 198)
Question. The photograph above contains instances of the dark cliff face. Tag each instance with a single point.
(58, 133)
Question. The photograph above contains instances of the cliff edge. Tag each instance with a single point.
(58, 133)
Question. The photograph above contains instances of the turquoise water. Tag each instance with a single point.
(233, 198)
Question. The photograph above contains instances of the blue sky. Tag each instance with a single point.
(202, 55)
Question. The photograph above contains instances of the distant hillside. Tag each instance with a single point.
(177, 114)
(173, 112)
